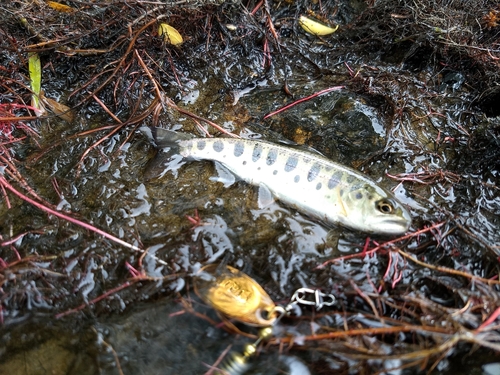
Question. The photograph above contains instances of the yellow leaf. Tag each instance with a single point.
(60, 7)
(314, 27)
(170, 35)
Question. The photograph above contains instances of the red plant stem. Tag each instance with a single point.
(257, 7)
(8, 106)
(15, 140)
(325, 91)
(8, 186)
(381, 246)
(171, 104)
(218, 361)
(7, 201)
(95, 300)
(488, 321)
(132, 270)
(369, 331)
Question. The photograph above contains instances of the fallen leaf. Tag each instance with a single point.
(170, 34)
(314, 27)
(60, 7)
(60, 110)
(35, 69)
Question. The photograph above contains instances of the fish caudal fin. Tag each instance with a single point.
(168, 138)
(168, 157)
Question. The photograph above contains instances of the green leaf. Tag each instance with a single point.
(35, 68)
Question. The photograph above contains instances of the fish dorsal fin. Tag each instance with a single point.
(303, 147)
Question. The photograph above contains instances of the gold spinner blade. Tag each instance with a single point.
(235, 295)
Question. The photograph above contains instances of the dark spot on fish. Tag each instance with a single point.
(318, 186)
(201, 145)
(239, 148)
(275, 172)
(313, 172)
(350, 179)
(257, 152)
(218, 146)
(272, 155)
(245, 162)
(358, 195)
(334, 180)
(296, 178)
(291, 163)
(369, 197)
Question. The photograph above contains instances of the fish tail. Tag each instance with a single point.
(168, 138)
(168, 157)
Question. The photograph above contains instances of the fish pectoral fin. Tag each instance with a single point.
(341, 203)
(265, 197)
(224, 175)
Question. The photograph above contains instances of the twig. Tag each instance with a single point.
(8, 186)
(366, 298)
(288, 106)
(365, 331)
(115, 354)
(381, 246)
(122, 60)
(448, 270)
(171, 104)
(219, 360)
(97, 299)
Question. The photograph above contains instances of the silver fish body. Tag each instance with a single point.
(309, 182)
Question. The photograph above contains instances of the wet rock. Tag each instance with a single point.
(41, 349)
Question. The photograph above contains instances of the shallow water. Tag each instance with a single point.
(402, 124)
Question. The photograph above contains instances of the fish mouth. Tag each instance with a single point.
(393, 227)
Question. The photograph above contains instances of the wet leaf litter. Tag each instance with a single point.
(88, 243)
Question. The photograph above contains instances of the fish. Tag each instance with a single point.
(306, 181)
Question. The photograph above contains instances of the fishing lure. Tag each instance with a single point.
(237, 296)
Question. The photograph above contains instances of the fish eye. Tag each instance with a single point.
(385, 206)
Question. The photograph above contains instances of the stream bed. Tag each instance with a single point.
(74, 301)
